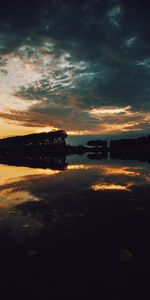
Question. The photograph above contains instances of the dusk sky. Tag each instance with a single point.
(80, 66)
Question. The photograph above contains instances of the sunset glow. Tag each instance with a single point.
(55, 83)
(74, 148)
(109, 111)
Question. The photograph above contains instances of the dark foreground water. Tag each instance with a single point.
(75, 233)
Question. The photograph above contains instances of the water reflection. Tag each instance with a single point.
(113, 187)
(22, 184)
(38, 160)
(8, 173)
(129, 171)
(33, 198)
(97, 207)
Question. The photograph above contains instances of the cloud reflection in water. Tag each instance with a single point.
(67, 203)
(22, 184)
(99, 187)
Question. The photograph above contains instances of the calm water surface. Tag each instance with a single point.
(89, 223)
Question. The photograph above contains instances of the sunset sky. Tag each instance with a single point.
(80, 66)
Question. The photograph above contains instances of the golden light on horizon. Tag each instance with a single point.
(120, 120)
(123, 127)
(79, 132)
(46, 129)
(104, 110)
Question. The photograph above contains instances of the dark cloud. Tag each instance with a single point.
(27, 119)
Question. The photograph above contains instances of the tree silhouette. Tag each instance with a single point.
(38, 139)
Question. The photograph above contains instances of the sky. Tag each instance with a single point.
(80, 66)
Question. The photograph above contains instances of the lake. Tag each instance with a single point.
(83, 228)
